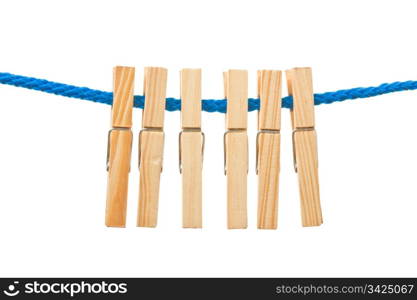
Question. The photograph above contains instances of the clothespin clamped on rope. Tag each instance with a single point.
(119, 146)
(236, 147)
(191, 143)
(151, 146)
(300, 87)
(268, 147)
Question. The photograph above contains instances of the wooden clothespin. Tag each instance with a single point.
(268, 147)
(191, 143)
(151, 145)
(300, 87)
(236, 147)
(119, 146)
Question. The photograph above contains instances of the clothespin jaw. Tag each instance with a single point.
(268, 147)
(236, 147)
(300, 87)
(119, 147)
(191, 143)
(151, 145)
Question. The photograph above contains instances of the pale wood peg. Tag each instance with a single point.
(155, 84)
(191, 143)
(300, 87)
(151, 145)
(119, 146)
(190, 98)
(236, 147)
(268, 147)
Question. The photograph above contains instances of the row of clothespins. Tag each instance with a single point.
(191, 143)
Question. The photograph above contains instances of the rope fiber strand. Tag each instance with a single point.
(208, 105)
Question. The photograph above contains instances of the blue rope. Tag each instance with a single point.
(209, 105)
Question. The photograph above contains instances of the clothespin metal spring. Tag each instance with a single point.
(225, 148)
(108, 143)
(299, 129)
(203, 136)
(268, 131)
(140, 142)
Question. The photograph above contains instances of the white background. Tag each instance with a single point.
(53, 149)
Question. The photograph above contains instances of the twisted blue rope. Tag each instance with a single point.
(209, 105)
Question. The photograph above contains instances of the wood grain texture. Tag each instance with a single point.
(151, 155)
(123, 83)
(268, 179)
(268, 147)
(236, 92)
(236, 147)
(192, 164)
(120, 144)
(155, 94)
(191, 98)
(236, 143)
(300, 86)
(305, 143)
(191, 147)
(269, 88)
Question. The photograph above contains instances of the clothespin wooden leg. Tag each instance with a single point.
(151, 145)
(268, 147)
(191, 142)
(236, 147)
(119, 147)
(305, 144)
